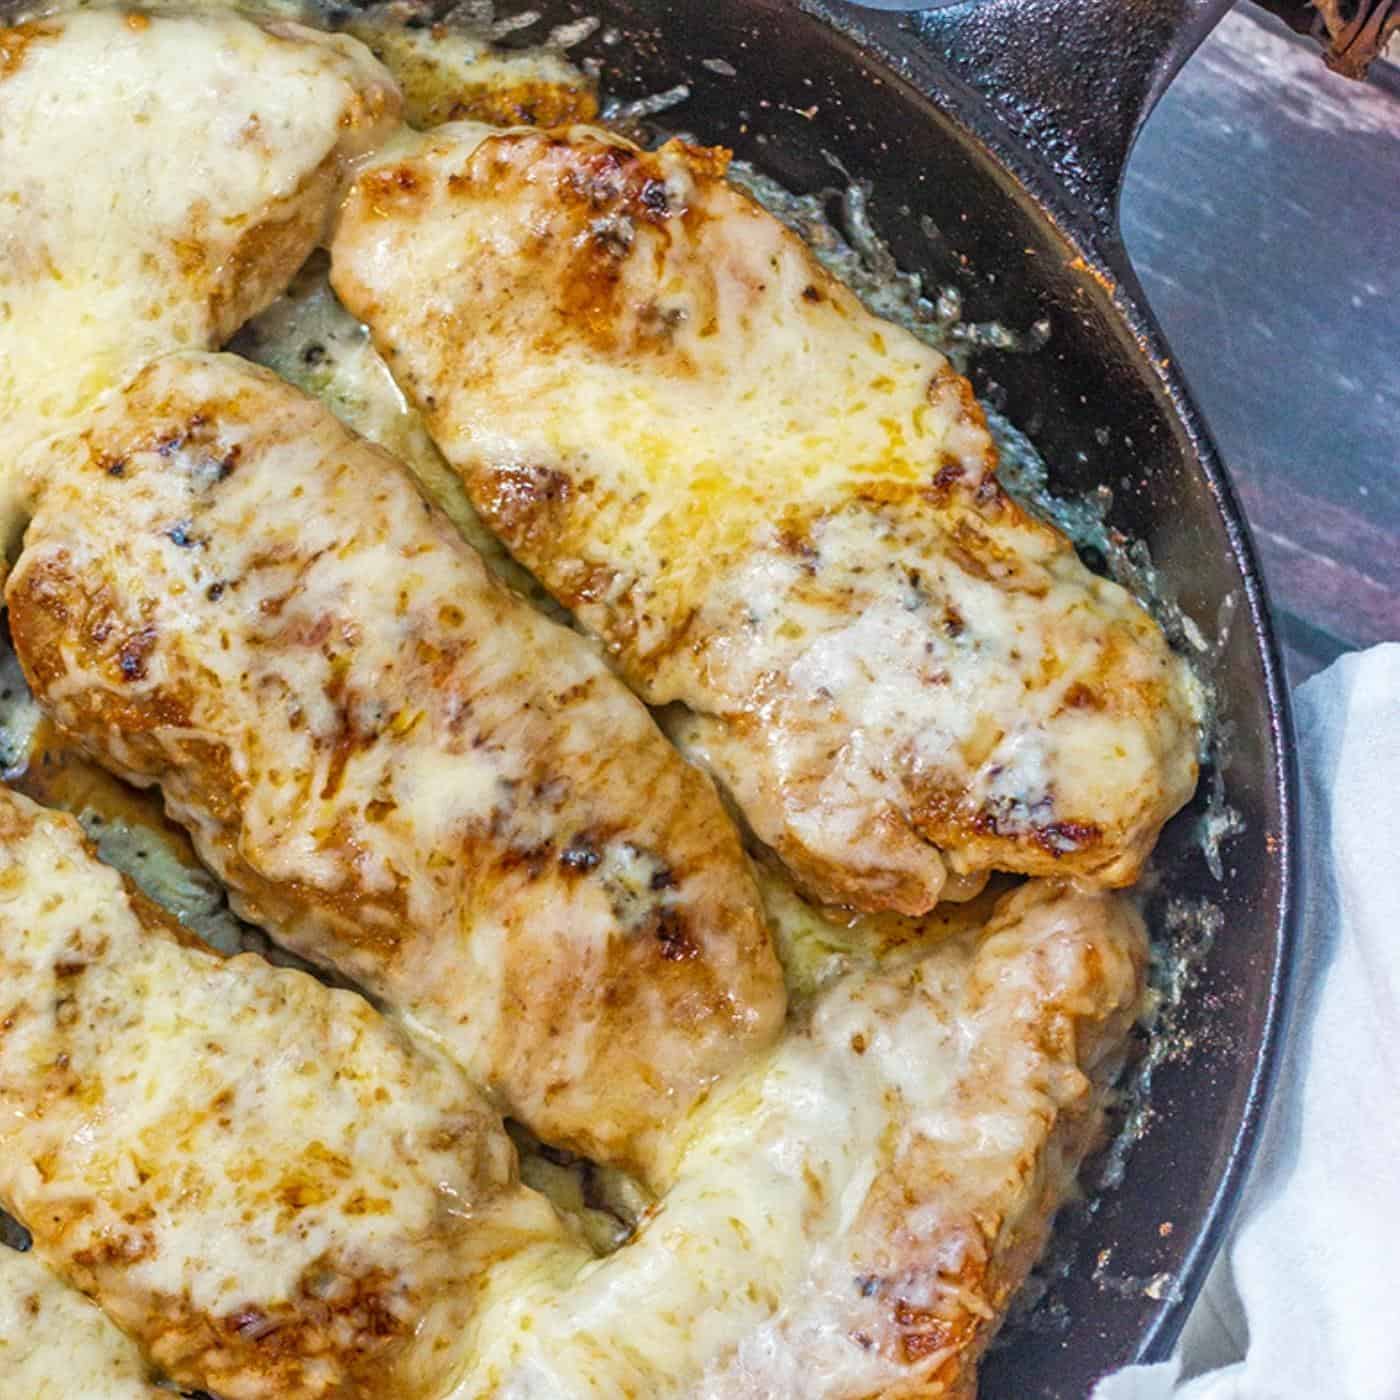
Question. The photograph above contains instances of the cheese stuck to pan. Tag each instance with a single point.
(851, 1216)
(771, 507)
(162, 176)
(258, 1178)
(395, 764)
(56, 1345)
(449, 74)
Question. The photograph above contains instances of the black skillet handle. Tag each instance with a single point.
(1075, 79)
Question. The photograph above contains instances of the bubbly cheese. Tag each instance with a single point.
(447, 73)
(396, 765)
(223, 1152)
(130, 832)
(772, 508)
(818, 945)
(161, 178)
(55, 1345)
(849, 1211)
(851, 1215)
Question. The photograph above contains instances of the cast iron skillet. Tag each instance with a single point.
(1008, 122)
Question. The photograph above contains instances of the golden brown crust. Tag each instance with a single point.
(256, 1178)
(772, 508)
(536, 103)
(448, 75)
(15, 42)
(851, 1217)
(395, 764)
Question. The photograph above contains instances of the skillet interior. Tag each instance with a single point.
(1101, 414)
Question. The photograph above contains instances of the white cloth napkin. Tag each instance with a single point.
(1304, 1300)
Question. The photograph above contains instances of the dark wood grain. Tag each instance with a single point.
(1262, 211)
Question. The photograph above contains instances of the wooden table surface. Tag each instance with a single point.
(1262, 212)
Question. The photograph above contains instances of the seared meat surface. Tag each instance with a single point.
(854, 1212)
(772, 508)
(259, 1179)
(396, 765)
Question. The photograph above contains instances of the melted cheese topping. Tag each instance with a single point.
(130, 832)
(309, 339)
(851, 1213)
(818, 945)
(222, 1152)
(449, 74)
(313, 1207)
(54, 1345)
(773, 508)
(394, 763)
(161, 179)
(851, 1216)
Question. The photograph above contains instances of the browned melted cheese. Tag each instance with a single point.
(161, 179)
(448, 75)
(394, 763)
(852, 1214)
(257, 1178)
(55, 1345)
(241, 1167)
(771, 507)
